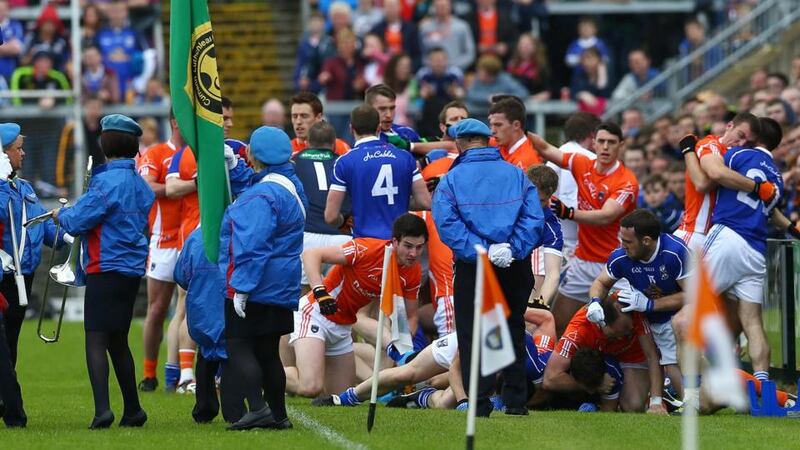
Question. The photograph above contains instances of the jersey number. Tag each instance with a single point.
(384, 184)
(322, 178)
(744, 197)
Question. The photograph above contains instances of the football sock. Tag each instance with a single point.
(172, 371)
(186, 357)
(150, 368)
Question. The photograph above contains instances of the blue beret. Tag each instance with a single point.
(118, 122)
(270, 145)
(8, 133)
(469, 127)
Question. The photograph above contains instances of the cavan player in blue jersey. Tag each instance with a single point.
(657, 266)
(737, 243)
(383, 182)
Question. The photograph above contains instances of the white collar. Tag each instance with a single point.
(365, 140)
(517, 144)
(655, 253)
(764, 150)
(610, 171)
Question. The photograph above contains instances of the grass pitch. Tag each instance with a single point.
(59, 406)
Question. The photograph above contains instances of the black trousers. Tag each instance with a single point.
(516, 282)
(10, 392)
(207, 405)
(15, 314)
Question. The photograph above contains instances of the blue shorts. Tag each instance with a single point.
(535, 362)
(613, 369)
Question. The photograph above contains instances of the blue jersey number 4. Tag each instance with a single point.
(384, 184)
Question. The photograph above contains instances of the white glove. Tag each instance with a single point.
(230, 157)
(7, 262)
(239, 303)
(5, 166)
(636, 301)
(500, 255)
(68, 238)
(595, 314)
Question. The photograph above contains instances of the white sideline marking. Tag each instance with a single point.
(326, 433)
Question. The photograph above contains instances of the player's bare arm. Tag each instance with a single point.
(546, 150)
(313, 259)
(655, 372)
(610, 212)
(160, 189)
(420, 197)
(557, 377)
(177, 188)
(333, 207)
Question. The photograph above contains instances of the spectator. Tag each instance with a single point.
(439, 83)
(98, 80)
(662, 203)
(489, 81)
(39, 76)
(676, 180)
(640, 74)
(399, 77)
(587, 38)
(149, 136)
(791, 95)
(366, 17)
(91, 22)
(153, 94)
(400, 36)
(93, 112)
(686, 125)
(340, 15)
(492, 29)
(776, 83)
(273, 114)
(695, 36)
(779, 111)
(718, 110)
(659, 164)
(796, 71)
(449, 32)
(47, 36)
(632, 123)
(758, 79)
(529, 66)
(375, 59)
(12, 35)
(590, 86)
(634, 160)
(122, 47)
(343, 74)
(325, 6)
(312, 51)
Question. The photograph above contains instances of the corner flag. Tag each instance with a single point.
(197, 103)
(393, 304)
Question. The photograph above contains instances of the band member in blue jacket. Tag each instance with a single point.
(111, 218)
(205, 317)
(261, 240)
(25, 204)
(484, 200)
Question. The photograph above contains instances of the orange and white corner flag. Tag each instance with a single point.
(709, 333)
(497, 351)
(393, 303)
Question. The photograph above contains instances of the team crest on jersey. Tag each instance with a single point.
(663, 270)
(202, 83)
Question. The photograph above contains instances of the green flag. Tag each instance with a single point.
(197, 104)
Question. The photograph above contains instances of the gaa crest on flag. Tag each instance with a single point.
(202, 83)
(494, 340)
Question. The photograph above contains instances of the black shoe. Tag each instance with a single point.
(135, 420)
(254, 419)
(148, 384)
(102, 421)
(284, 424)
(407, 401)
(15, 424)
(325, 400)
(516, 411)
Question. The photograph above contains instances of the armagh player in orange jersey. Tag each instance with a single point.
(606, 192)
(165, 223)
(507, 121)
(322, 337)
(707, 169)
(306, 110)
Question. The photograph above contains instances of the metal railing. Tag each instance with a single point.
(712, 58)
(781, 303)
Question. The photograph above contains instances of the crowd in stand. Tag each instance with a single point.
(117, 61)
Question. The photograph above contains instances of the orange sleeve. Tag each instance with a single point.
(574, 162)
(570, 341)
(147, 163)
(341, 147)
(350, 250)
(709, 146)
(640, 326)
(188, 166)
(625, 192)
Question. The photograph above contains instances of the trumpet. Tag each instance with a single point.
(63, 274)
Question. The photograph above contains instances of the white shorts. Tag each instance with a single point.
(693, 239)
(314, 240)
(664, 336)
(444, 350)
(310, 323)
(579, 276)
(161, 264)
(537, 259)
(444, 317)
(735, 266)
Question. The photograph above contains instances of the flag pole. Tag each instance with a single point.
(475, 355)
(376, 367)
(689, 419)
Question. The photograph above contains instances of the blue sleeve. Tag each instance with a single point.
(175, 164)
(453, 232)
(553, 238)
(527, 232)
(253, 224)
(183, 266)
(614, 266)
(5, 195)
(240, 178)
(87, 212)
(340, 172)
